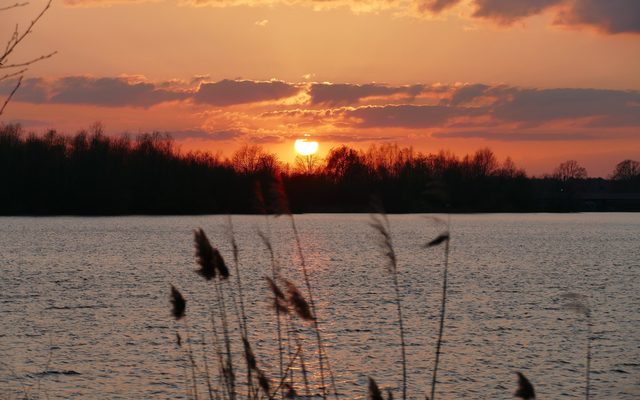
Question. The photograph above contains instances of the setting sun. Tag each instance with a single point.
(305, 147)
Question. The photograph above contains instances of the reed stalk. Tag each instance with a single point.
(443, 238)
(380, 224)
(275, 276)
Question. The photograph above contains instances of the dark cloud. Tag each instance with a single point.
(538, 106)
(346, 94)
(209, 136)
(406, 116)
(28, 122)
(610, 16)
(230, 92)
(508, 11)
(516, 136)
(32, 90)
(110, 92)
(468, 93)
(436, 6)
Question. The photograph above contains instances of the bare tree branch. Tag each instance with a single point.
(12, 74)
(26, 63)
(15, 89)
(13, 6)
(16, 38)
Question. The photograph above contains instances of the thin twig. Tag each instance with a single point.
(16, 38)
(27, 63)
(13, 6)
(15, 89)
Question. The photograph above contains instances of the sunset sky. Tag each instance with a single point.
(540, 80)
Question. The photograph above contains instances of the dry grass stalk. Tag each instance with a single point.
(440, 239)
(279, 301)
(241, 315)
(579, 304)
(380, 224)
(525, 388)
(281, 204)
(212, 392)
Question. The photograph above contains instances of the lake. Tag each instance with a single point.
(85, 302)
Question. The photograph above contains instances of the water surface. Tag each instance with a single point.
(85, 312)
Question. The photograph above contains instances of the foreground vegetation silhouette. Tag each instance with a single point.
(296, 314)
(94, 174)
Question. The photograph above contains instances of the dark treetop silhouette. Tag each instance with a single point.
(94, 174)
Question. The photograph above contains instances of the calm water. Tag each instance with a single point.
(90, 295)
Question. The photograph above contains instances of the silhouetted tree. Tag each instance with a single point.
(93, 173)
(626, 170)
(570, 170)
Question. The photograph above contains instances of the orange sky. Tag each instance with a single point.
(540, 80)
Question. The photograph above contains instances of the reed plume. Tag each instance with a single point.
(249, 355)
(374, 390)
(525, 388)
(264, 383)
(380, 224)
(208, 257)
(178, 303)
(297, 302)
(211, 265)
(440, 239)
(280, 302)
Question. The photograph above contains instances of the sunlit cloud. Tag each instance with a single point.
(274, 111)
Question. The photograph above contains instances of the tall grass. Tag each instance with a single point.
(294, 309)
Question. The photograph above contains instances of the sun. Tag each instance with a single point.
(305, 148)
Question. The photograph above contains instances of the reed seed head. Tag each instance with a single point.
(298, 302)
(248, 355)
(178, 302)
(525, 388)
(291, 392)
(208, 257)
(443, 237)
(374, 390)
(264, 383)
(380, 224)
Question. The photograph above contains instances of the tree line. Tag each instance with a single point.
(91, 173)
